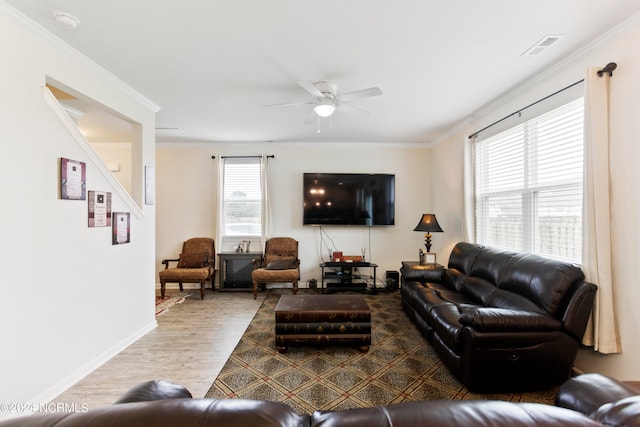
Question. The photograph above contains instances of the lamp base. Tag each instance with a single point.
(427, 241)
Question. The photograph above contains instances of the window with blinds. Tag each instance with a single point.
(528, 185)
(242, 197)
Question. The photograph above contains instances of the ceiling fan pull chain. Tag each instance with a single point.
(318, 124)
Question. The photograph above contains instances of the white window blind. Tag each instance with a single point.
(242, 197)
(528, 185)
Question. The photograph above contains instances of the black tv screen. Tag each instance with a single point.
(348, 199)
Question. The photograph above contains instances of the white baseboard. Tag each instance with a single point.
(57, 389)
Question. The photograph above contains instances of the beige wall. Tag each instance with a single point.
(72, 299)
(620, 46)
(187, 188)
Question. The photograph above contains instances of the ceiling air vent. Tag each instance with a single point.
(542, 45)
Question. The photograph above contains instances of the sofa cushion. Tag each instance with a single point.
(453, 278)
(283, 264)
(489, 295)
(451, 413)
(192, 260)
(490, 264)
(623, 412)
(500, 319)
(542, 280)
(445, 321)
(173, 412)
(463, 255)
(587, 392)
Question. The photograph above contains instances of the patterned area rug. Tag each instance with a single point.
(400, 366)
(169, 301)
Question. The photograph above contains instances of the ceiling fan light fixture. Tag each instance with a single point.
(325, 109)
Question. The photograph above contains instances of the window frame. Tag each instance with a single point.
(531, 189)
(255, 193)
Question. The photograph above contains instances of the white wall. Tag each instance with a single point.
(187, 182)
(620, 46)
(71, 298)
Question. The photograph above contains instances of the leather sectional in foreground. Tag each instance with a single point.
(587, 400)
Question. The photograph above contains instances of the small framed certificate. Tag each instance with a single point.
(429, 258)
(73, 179)
(121, 228)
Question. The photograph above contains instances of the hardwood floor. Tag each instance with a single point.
(192, 342)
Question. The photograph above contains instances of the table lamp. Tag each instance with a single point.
(428, 224)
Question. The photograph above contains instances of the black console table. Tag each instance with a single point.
(340, 276)
(235, 269)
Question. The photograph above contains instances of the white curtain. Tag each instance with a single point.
(602, 331)
(266, 201)
(468, 208)
(219, 209)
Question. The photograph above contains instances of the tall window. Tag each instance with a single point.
(528, 185)
(242, 197)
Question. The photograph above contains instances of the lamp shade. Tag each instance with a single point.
(428, 223)
(324, 109)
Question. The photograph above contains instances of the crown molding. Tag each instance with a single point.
(56, 42)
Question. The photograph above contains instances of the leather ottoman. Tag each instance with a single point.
(323, 320)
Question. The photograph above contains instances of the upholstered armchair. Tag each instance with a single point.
(196, 264)
(279, 264)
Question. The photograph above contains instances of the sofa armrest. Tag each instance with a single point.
(624, 412)
(154, 390)
(578, 309)
(167, 261)
(588, 392)
(422, 273)
(488, 319)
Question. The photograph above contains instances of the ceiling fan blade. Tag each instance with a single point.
(351, 109)
(309, 87)
(288, 104)
(364, 93)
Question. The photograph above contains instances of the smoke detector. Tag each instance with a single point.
(66, 19)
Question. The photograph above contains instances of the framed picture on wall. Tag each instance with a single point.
(121, 228)
(99, 208)
(73, 179)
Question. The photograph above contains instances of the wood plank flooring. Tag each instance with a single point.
(190, 346)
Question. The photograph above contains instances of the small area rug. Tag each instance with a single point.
(169, 301)
(400, 366)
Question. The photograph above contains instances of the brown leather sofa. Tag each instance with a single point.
(588, 400)
(501, 320)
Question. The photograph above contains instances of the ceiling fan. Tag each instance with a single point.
(326, 99)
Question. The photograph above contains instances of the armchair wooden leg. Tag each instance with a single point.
(180, 283)
(295, 287)
(202, 289)
(255, 289)
(162, 289)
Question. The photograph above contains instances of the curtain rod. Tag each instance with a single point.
(607, 69)
(270, 156)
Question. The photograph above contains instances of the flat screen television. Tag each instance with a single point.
(348, 199)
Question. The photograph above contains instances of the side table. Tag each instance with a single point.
(413, 271)
(235, 270)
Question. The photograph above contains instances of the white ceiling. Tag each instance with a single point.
(211, 65)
